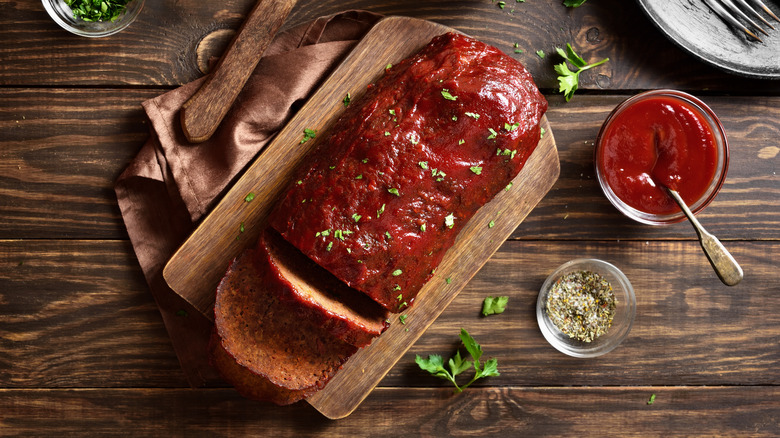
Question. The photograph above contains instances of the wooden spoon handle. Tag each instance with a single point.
(204, 111)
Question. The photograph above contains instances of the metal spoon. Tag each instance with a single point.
(728, 270)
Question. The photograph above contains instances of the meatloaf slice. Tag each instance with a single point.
(262, 346)
(409, 163)
(317, 295)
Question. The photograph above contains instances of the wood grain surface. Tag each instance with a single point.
(82, 347)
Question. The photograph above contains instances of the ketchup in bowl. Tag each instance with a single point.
(656, 139)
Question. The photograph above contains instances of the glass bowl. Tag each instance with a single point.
(622, 320)
(721, 165)
(62, 15)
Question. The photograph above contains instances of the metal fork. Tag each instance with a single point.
(731, 13)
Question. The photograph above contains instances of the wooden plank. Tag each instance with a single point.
(78, 314)
(62, 149)
(195, 269)
(161, 47)
(595, 411)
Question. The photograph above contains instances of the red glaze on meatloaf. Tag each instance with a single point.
(316, 295)
(262, 346)
(401, 172)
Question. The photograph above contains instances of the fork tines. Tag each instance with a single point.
(732, 11)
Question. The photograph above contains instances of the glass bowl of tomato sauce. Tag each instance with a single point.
(658, 139)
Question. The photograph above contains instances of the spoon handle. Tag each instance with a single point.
(728, 270)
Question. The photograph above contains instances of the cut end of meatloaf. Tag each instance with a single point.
(317, 295)
(262, 346)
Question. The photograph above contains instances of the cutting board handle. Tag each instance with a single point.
(203, 112)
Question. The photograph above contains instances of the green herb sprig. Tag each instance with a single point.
(494, 305)
(457, 365)
(569, 80)
(97, 10)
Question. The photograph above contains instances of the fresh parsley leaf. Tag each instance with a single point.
(490, 369)
(494, 305)
(402, 319)
(394, 191)
(568, 81)
(540, 53)
(458, 365)
(476, 169)
(446, 94)
(307, 134)
(651, 400)
(347, 100)
(249, 197)
(573, 3)
(472, 346)
(435, 364)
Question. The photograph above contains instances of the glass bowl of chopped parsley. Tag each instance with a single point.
(586, 308)
(93, 18)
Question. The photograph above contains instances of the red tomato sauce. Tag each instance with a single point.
(654, 142)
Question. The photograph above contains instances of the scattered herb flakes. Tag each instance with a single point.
(249, 197)
(494, 305)
(511, 127)
(380, 211)
(508, 186)
(400, 297)
(402, 318)
(541, 135)
(568, 81)
(448, 280)
(491, 224)
(241, 227)
(414, 138)
(651, 400)
(182, 312)
(581, 305)
(540, 53)
(393, 191)
(446, 94)
(388, 66)
(517, 48)
(364, 160)
(387, 234)
(501, 4)
(434, 364)
(330, 246)
(300, 182)
(454, 118)
(461, 141)
(493, 133)
(97, 10)
(308, 134)
(359, 176)
(474, 116)
(347, 100)
(423, 227)
(449, 220)
(423, 164)
(397, 272)
(476, 169)
(387, 133)
(356, 217)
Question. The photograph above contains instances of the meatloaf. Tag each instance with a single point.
(262, 345)
(316, 295)
(401, 172)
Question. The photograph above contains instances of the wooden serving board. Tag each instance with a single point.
(197, 266)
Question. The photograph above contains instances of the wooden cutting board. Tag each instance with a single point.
(234, 224)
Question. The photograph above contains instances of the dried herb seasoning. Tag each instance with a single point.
(582, 305)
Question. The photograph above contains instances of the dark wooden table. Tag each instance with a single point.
(82, 346)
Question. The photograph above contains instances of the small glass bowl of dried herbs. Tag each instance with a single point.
(93, 18)
(586, 308)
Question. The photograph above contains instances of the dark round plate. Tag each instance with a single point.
(693, 26)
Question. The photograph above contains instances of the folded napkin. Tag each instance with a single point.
(171, 183)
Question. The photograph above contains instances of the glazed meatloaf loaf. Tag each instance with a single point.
(402, 171)
(262, 344)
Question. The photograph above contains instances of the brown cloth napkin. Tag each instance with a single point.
(172, 183)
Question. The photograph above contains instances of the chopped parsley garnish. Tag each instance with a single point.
(540, 53)
(392, 111)
(400, 297)
(356, 217)
(501, 4)
(517, 48)
(380, 211)
(397, 272)
(347, 100)
(541, 135)
(461, 141)
(422, 227)
(492, 306)
(388, 66)
(325, 233)
(446, 94)
(511, 127)
(330, 246)
(423, 164)
(398, 287)
(359, 176)
(300, 182)
(651, 400)
(448, 280)
(414, 138)
(308, 134)
(249, 197)
(387, 234)
(508, 186)
(476, 169)
(92, 10)
(394, 191)
(402, 318)
(475, 116)
(449, 220)
(331, 167)
(493, 133)
(364, 160)
(491, 224)
(454, 118)
(241, 227)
